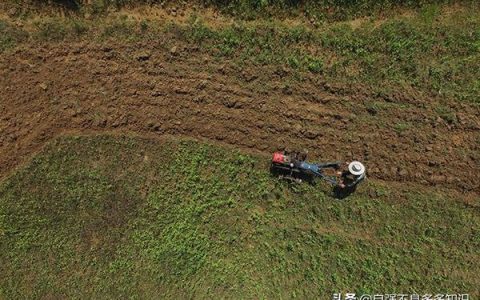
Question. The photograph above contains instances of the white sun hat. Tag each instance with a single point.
(356, 168)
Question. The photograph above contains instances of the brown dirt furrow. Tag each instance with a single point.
(82, 87)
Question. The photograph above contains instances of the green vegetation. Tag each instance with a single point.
(253, 9)
(447, 114)
(434, 52)
(10, 36)
(440, 58)
(401, 127)
(127, 217)
(322, 10)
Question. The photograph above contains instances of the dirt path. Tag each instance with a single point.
(79, 87)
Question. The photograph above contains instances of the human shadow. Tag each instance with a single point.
(342, 193)
(71, 5)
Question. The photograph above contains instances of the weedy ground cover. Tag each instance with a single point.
(130, 217)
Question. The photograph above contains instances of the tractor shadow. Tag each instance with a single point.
(293, 177)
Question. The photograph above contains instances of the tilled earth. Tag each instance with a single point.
(148, 89)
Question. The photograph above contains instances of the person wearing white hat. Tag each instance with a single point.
(354, 174)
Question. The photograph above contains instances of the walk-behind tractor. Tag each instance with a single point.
(293, 166)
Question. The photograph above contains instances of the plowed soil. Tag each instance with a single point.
(88, 87)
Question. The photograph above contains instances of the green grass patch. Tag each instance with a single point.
(123, 217)
(59, 29)
(10, 35)
(446, 114)
(401, 127)
(439, 57)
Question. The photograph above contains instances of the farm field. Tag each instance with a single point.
(135, 143)
(134, 217)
